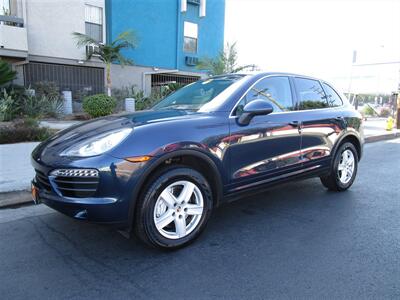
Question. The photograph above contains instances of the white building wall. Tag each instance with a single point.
(139, 76)
(50, 24)
(128, 75)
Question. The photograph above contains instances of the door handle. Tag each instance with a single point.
(294, 123)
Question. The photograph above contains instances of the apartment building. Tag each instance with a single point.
(36, 37)
(173, 35)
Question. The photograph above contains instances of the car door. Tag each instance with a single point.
(270, 145)
(321, 119)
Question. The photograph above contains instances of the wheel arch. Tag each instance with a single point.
(352, 138)
(188, 158)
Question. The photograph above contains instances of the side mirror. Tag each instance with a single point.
(256, 107)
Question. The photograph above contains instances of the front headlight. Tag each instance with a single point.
(99, 144)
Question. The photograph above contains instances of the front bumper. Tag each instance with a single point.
(99, 210)
(112, 200)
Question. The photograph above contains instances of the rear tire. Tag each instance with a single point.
(174, 208)
(343, 170)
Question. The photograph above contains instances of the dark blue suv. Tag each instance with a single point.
(161, 172)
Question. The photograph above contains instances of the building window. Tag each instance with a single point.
(190, 37)
(4, 7)
(94, 22)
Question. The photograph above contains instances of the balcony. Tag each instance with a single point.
(13, 37)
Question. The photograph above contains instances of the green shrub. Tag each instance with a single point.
(47, 94)
(120, 94)
(24, 130)
(173, 87)
(7, 74)
(385, 112)
(31, 107)
(17, 101)
(141, 101)
(8, 107)
(40, 106)
(52, 107)
(368, 111)
(48, 89)
(149, 102)
(99, 105)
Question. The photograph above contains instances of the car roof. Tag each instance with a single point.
(261, 74)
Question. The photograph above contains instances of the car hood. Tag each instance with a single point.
(78, 133)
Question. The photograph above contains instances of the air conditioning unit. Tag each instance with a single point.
(91, 50)
(191, 60)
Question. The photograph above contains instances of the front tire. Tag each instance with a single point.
(174, 208)
(344, 169)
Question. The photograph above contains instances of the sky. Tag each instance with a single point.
(318, 37)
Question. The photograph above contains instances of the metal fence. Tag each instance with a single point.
(80, 80)
(165, 79)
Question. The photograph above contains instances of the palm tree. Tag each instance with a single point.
(225, 62)
(6, 73)
(109, 53)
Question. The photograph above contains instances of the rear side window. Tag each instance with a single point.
(333, 98)
(310, 94)
(275, 90)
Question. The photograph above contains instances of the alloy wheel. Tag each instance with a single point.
(346, 166)
(178, 209)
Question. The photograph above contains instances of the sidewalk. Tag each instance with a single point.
(16, 171)
(375, 130)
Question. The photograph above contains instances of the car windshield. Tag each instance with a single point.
(197, 94)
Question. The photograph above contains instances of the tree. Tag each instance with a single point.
(225, 62)
(7, 74)
(109, 53)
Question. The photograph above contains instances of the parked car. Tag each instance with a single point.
(160, 173)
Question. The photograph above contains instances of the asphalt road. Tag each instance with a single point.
(294, 241)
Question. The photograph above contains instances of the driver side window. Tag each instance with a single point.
(275, 90)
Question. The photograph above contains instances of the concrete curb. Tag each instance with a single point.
(15, 198)
(382, 137)
(22, 197)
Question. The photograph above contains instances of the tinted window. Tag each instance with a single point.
(332, 97)
(310, 94)
(196, 94)
(275, 90)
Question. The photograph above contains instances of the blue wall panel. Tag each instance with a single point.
(159, 27)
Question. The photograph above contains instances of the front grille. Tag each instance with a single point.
(78, 183)
(43, 180)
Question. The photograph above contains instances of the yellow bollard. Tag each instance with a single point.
(389, 124)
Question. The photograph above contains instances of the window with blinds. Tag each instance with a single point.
(190, 36)
(94, 22)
